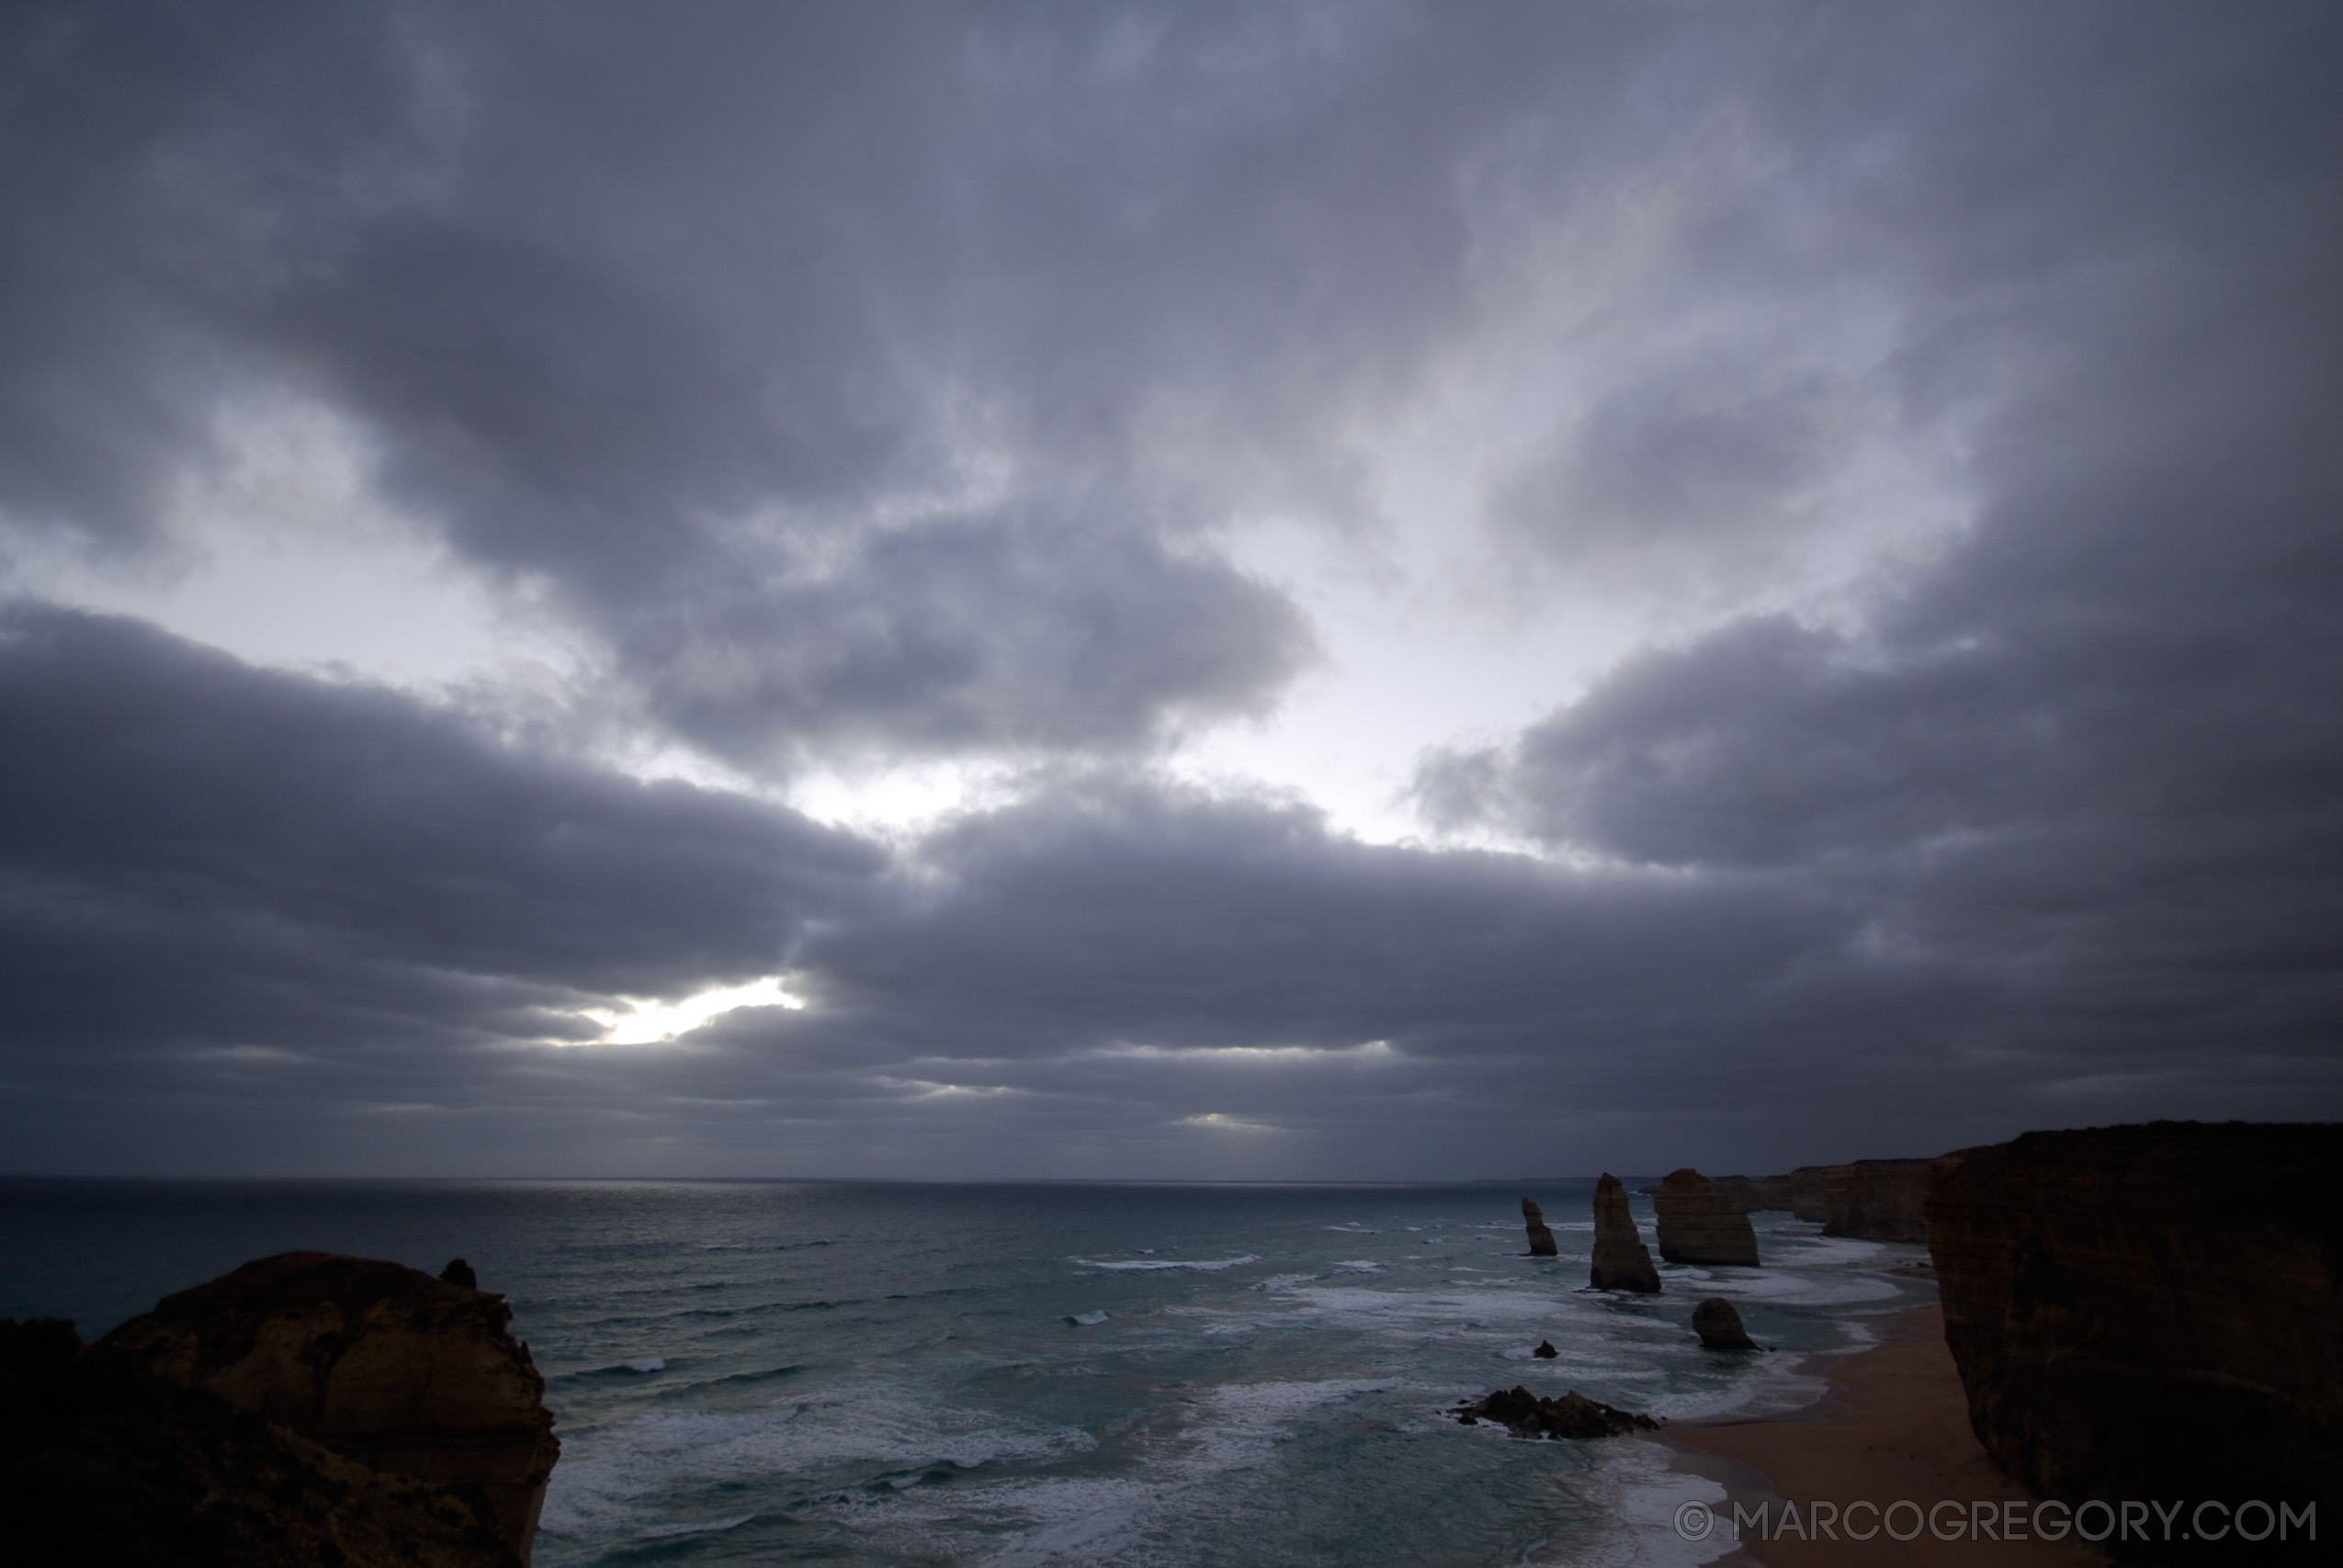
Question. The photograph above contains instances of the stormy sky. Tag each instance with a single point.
(1355, 590)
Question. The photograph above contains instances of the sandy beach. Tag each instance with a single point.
(1893, 1427)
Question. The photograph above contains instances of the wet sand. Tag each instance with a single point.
(1893, 1425)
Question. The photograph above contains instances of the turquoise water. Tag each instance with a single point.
(1036, 1374)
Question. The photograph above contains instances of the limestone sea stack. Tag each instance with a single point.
(380, 1364)
(1620, 1263)
(1719, 1327)
(2151, 1311)
(1878, 1200)
(1700, 1225)
(1541, 1239)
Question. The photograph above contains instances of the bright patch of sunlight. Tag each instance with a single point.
(1227, 1123)
(648, 1023)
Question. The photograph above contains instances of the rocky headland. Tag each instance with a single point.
(1621, 1261)
(381, 1365)
(1699, 1225)
(104, 1463)
(2152, 1312)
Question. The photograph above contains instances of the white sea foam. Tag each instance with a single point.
(1200, 1264)
(648, 1364)
(1280, 1281)
(609, 1477)
(1086, 1319)
(1063, 1522)
(709, 1526)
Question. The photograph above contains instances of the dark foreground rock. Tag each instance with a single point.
(1878, 1200)
(1572, 1415)
(2152, 1312)
(1541, 1238)
(1719, 1327)
(1620, 1262)
(103, 1465)
(1700, 1225)
(382, 1364)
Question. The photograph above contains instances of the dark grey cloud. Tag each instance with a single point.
(875, 378)
(1715, 459)
(633, 302)
(202, 855)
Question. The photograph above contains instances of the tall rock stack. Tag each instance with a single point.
(380, 1363)
(1620, 1263)
(1541, 1239)
(1698, 1224)
(2150, 1312)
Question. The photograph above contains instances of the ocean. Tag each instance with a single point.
(1034, 1375)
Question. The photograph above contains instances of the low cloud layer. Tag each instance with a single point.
(1942, 404)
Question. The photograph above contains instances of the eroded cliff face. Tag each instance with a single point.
(1752, 1193)
(1698, 1224)
(1878, 1200)
(1806, 1194)
(380, 1363)
(103, 1462)
(2153, 1312)
(1620, 1261)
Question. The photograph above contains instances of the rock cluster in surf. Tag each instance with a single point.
(1621, 1261)
(1699, 1225)
(1572, 1415)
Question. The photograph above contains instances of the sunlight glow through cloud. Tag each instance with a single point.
(649, 1022)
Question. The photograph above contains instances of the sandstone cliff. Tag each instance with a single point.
(2151, 1311)
(1878, 1200)
(1741, 1191)
(382, 1364)
(1751, 1193)
(1620, 1263)
(1541, 1238)
(1806, 1194)
(1699, 1225)
(104, 1463)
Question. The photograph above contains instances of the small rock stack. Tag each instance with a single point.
(1541, 1239)
(1719, 1327)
